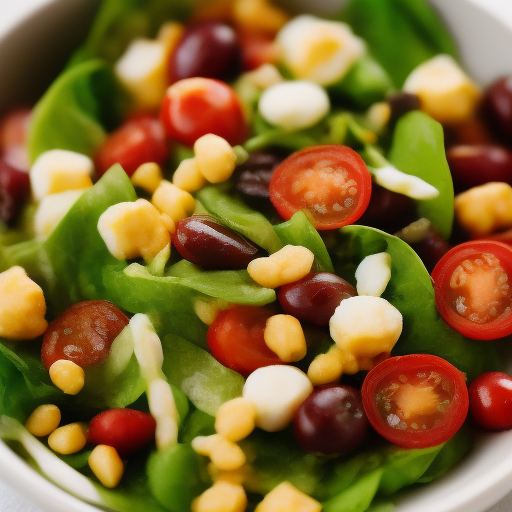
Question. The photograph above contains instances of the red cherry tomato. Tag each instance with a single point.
(490, 400)
(471, 283)
(258, 48)
(415, 401)
(83, 333)
(196, 106)
(14, 127)
(236, 339)
(331, 182)
(126, 430)
(139, 140)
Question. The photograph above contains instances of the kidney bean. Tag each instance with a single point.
(14, 128)
(253, 177)
(498, 106)
(206, 242)
(475, 165)
(472, 132)
(14, 191)
(126, 430)
(431, 249)
(315, 297)
(207, 50)
(401, 103)
(83, 333)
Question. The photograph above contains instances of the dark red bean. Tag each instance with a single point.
(498, 106)
(401, 103)
(206, 242)
(126, 430)
(431, 249)
(253, 177)
(83, 333)
(331, 421)
(14, 191)
(315, 297)
(475, 165)
(208, 50)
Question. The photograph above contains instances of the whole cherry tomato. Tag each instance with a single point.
(126, 430)
(197, 106)
(331, 182)
(139, 140)
(83, 333)
(236, 339)
(471, 283)
(258, 48)
(415, 401)
(490, 400)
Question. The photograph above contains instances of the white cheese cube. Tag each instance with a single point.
(373, 274)
(277, 392)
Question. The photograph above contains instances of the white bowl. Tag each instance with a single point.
(31, 53)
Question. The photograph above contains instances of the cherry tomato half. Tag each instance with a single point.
(471, 283)
(490, 400)
(196, 106)
(331, 182)
(139, 140)
(236, 339)
(415, 401)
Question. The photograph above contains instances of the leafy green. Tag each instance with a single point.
(418, 149)
(401, 34)
(411, 292)
(299, 231)
(74, 111)
(206, 382)
(240, 217)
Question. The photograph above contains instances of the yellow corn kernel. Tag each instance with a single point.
(43, 420)
(169, 224)
(225, 454)
(147, 176)
(263, 77)
(290, 264)
(236, 476)
(221, 497)
(326, 368)
(378, 115)
(169, 34)
(131, 230)
(259, 15)
(485, 209)
(22, 306)
(285, 498)
(106, 464)
(173, 201)
(207, 311)
(67, 376)
(215, 158)
(235, 419)
(188, 177)
(284, 336)
(68, 439)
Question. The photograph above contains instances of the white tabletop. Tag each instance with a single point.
(11, 500)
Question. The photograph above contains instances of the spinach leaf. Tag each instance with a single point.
(418, 149)
(74, 111)
(240, 217)
(299, 231)
(401, 34)
(410, 290)
(206, 382)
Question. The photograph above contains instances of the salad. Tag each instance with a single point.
(255, 261)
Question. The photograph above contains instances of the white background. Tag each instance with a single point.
(10, 500)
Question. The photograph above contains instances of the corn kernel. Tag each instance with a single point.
(263, 77)
(58, 170)
(134, 229)
(221, 497)
(207, 311)
(106, 464)
(147, 176)
(170, 34)
(284, 336)
(188, 177)
(67, 376)
(235, 419)
(215, 158)
(236, 476)
(259, 15)
(68, 439)
(169, 224)
(445, 91)
(285, 498)
(485, 209)
(173, 201)
(378, 115)
(290, 264)
(225, 454)
(22, 306)
(326, 368)
(43, 420)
